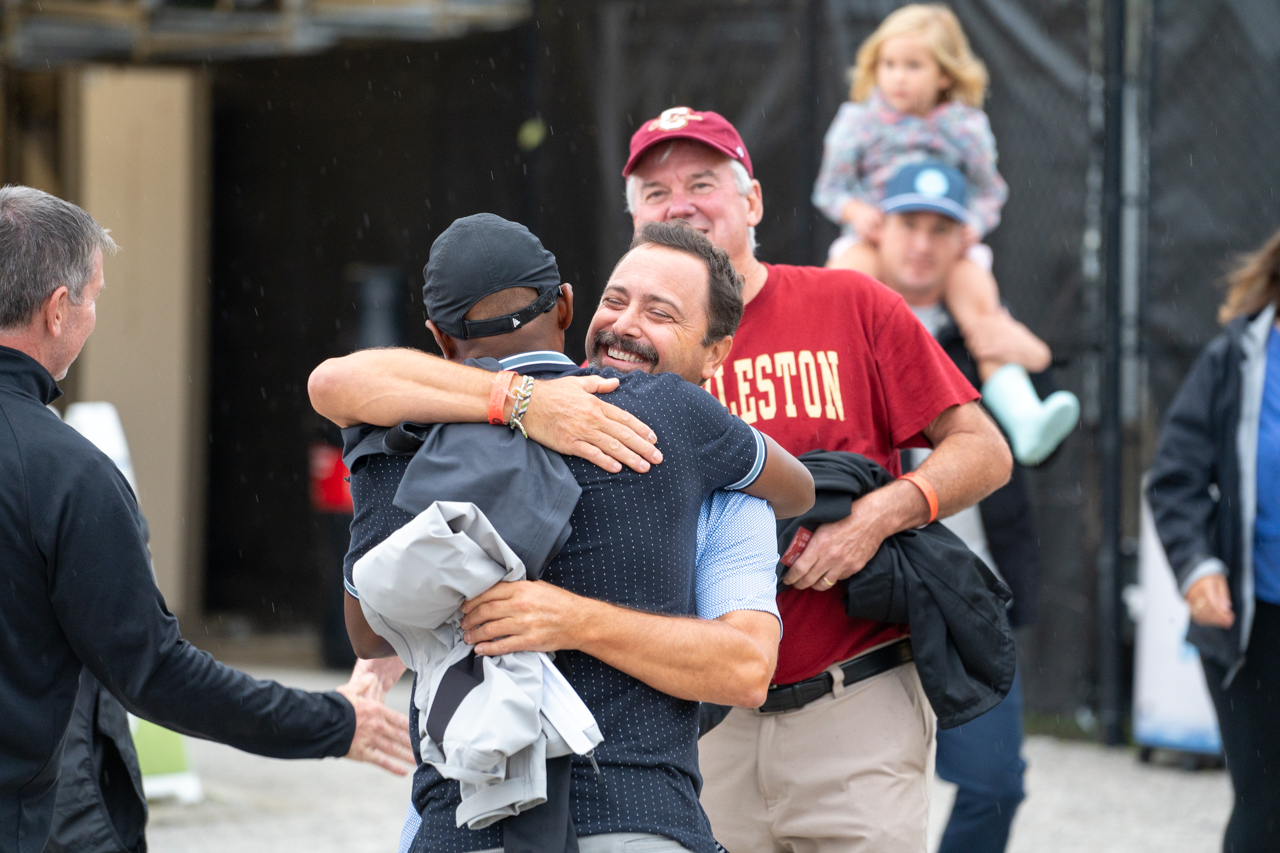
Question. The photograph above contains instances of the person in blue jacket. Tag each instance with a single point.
(1215, 495)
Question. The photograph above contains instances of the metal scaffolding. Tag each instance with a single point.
(39, 34)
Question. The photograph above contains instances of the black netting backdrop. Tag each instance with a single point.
(1215, 174)
(777, 70)
(1037, 54)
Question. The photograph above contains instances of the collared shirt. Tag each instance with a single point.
(735, 570)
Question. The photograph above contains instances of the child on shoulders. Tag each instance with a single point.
(917, 96)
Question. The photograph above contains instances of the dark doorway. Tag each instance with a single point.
(322, 164)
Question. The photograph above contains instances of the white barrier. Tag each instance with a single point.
(100, 423)
(1171, 705)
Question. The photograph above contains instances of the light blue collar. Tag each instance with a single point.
(537, 358)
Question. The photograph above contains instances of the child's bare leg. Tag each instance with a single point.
(972, 295)
(863, 257)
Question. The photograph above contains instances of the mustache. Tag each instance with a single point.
(606, 339)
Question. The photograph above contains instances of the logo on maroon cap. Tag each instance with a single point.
(674, 119)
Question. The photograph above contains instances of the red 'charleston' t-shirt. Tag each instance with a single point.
(835, 360)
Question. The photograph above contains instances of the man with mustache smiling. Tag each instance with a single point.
(631, 540)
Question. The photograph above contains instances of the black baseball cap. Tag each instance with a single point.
(479, 255)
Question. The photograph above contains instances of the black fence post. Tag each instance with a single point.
(810, 135)
(1110, 701)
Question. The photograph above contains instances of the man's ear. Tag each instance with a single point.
(448, 346)
(755, 204)
(564, 306)
(53, 313)
(716, 354)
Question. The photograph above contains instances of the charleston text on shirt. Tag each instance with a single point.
(781, 385)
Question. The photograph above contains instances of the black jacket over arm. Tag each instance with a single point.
(76, 591)
(927, 578)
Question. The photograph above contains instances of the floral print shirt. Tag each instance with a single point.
(869, 142)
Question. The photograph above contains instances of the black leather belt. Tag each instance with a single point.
(789, 697)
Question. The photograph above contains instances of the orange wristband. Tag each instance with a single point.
(926, 489)
(498, 396)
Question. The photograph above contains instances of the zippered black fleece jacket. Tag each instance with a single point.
(76, 591)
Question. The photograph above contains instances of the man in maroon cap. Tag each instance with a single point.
(840, 756)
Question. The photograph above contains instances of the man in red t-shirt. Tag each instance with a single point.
(835, 360)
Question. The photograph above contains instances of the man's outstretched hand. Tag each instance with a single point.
(565, 416)
(382, 735)
(385, 671)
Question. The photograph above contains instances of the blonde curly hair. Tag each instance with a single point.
(938, 26)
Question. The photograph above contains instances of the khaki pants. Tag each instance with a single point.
(844, 773)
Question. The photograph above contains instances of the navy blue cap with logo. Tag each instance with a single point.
(480, 255)
(930, 187)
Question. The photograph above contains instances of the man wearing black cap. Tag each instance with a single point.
(640, 667)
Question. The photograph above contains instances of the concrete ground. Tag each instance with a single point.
(1081, 797)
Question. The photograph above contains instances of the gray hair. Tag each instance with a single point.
(45, 243)
(741, 180)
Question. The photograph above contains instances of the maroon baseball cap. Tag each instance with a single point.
(706, 127)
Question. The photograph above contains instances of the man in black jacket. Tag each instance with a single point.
(921, 241)
(74, 568)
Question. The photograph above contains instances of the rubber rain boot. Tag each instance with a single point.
(1035, 428)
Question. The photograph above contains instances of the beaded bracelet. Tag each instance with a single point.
(522, 395)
